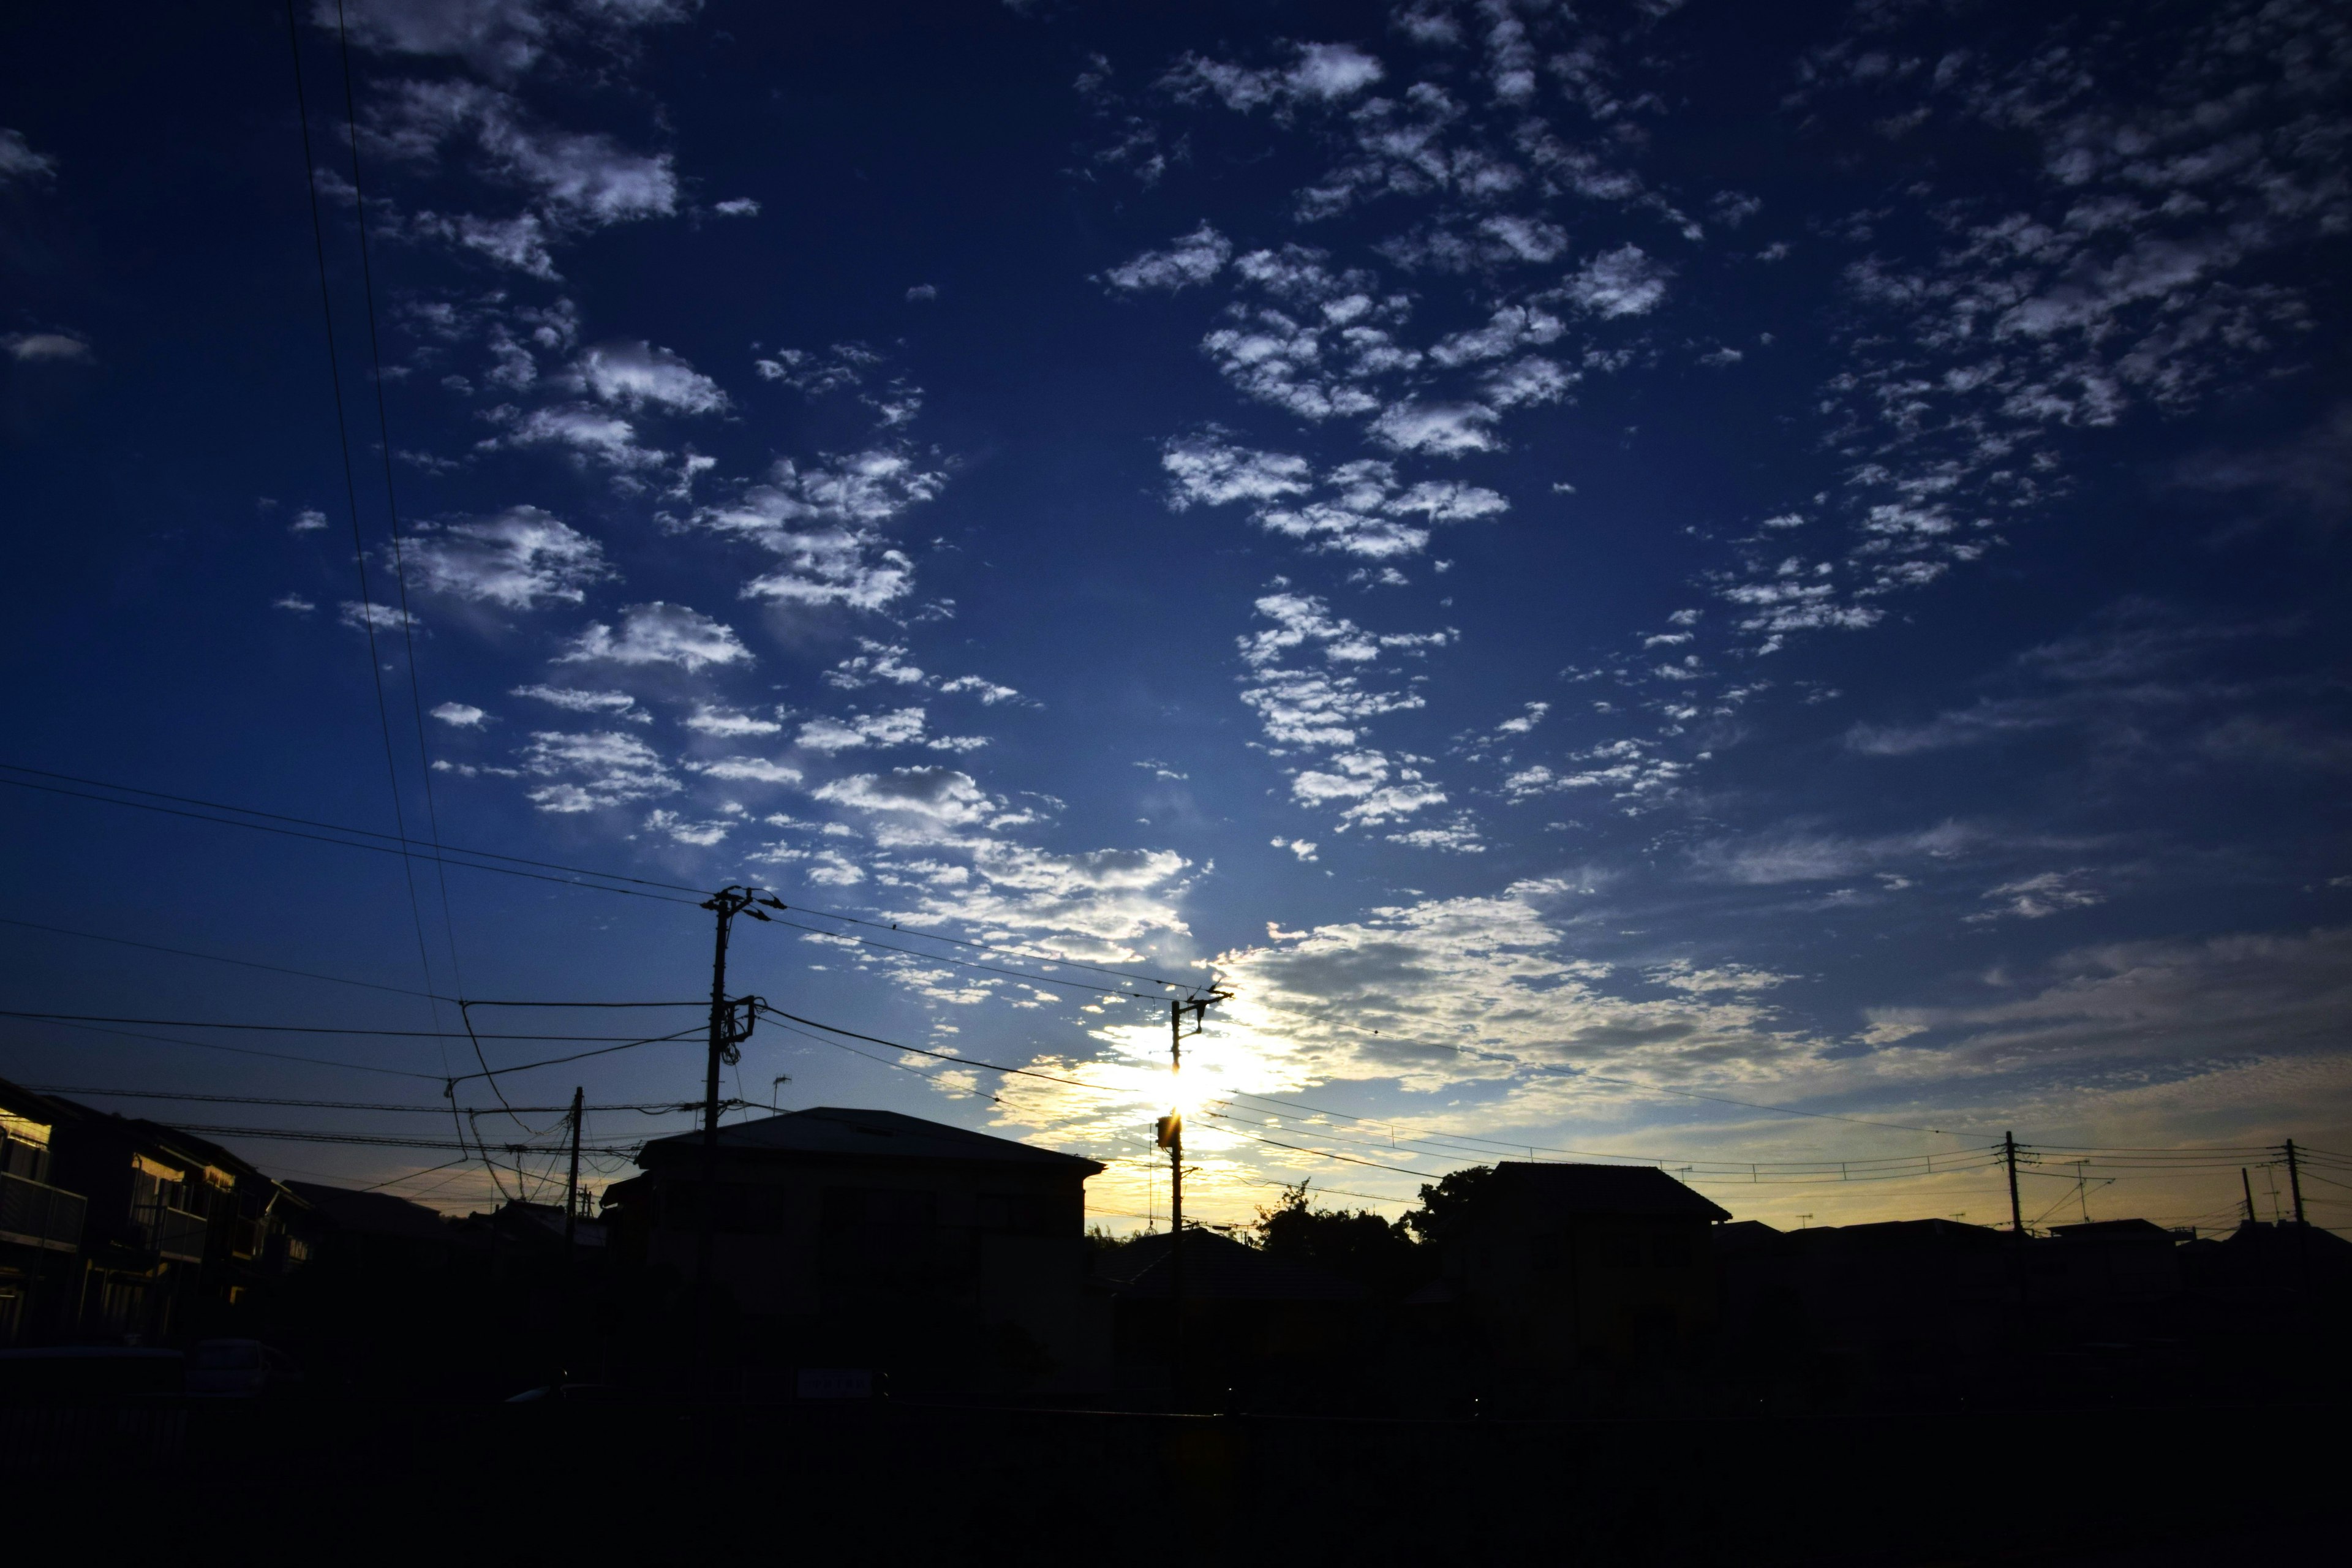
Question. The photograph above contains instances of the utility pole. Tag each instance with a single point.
(2295, 1181)
(1171, 1138)
(2016, 1212)
(726, 903)
(2247, 1182)
(2082, 1193)
(571, 1188)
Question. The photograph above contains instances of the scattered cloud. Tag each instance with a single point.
(459, 715)
(657, 634)
(521, 559)
(589, 770)
(40, 348)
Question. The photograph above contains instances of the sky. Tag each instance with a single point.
(1755, 587)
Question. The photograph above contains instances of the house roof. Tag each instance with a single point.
(1218, 1269)
(2112, 1230)
(371, 1214)
(1643, 1190)
(838, 1131)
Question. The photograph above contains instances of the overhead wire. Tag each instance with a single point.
(352, 495)
(649, 1108)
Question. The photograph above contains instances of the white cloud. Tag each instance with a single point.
(739, 206)
(1194, 257)
(462, 715)
(750, 770)
(1621, 282)
(294, 602)
(19, 162)
(584, 179)
(702, 834)
(381, 618)
(898, 727)
(44, 347)
(592, 770)
(499, 36)
(877, 663)
(1210, 470)
(1815, 858)
(571, 699)
(945, 797)
(922, 293)
(2036, 898)
(660, 633)
(1528, 382)
(589, 431)
(1510, 328)
(1525, 722)
(1440, 429)
(1320, 73)
(634, 374)
(841, 562)
(709, 721)
(519, 242)
(521, 558)
(988, 691)
(308, 521)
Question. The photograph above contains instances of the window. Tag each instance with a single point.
(24, 1147)
(1670, 1249)
(155, 1186)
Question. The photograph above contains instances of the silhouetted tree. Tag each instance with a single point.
(1355, 1245)
(1447, 1204)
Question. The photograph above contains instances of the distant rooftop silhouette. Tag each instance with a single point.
(371, 1214)
(1608, 1189)
(843, 1132)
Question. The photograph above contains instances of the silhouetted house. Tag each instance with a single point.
(2108, 1263)
(1262, 1325)
(1928, 1286)
(40, 1224)
(1560, 1264)
(866, 1238)
(149, 1226)
(344, 1225)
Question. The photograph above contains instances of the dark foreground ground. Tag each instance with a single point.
(895, 1482)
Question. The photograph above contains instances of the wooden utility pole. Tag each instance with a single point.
(726, 903)
(2247, 1182)
(1171, 1138)
(572, 1187)
(2295, 1181)
(2016, 1211)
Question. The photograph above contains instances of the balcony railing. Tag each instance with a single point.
(33, 1214)
(173, 1233)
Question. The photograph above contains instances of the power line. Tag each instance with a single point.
(365, 1139)
(219, 958)
(288, 1028)
(579, 1055)
(350, 490)
(249, 1051)
(408, 845)
(442, 855)
(650, 1109)
(397, 845)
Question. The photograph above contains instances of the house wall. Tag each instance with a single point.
(955, 1254)
(1554, 1291)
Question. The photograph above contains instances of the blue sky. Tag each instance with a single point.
(1583, 559)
